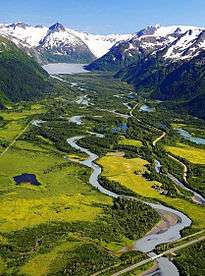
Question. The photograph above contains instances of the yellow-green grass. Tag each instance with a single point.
(15, 123)
(129, 142)
(142, 269)
(46, 146)
(129, 172)
(11, 130)
(178, 125)
(123, 170)
(19, 115)
(192, 154)
(2, 267)
(42, 264)
(62, 195)
(116, 247)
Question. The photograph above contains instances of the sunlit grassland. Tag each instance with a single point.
(129, 142)
(2, 266)
(15, 121)
(124, 171)
(63, 194)
(191, 153)
(42, 264)
(129, 173)
(11, 130)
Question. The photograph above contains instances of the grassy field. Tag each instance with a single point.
(128, 172)
(15, 121)
(63, 219)
(65, 226)
(62, 189)
(192, 154)
(129, 142)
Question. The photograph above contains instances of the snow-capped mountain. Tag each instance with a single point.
(24, 33)
(177, 42)
(58, 43)
(187, 46)
(61, 45)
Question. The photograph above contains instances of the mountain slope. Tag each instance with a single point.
(60, 44)
(141, 45)
(21, 78)
(164, 63)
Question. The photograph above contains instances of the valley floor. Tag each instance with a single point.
(66, 226)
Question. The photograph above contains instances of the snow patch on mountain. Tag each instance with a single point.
(185, 46)
(99, 45)
(57, 34)
(179, 42)
(28, 34)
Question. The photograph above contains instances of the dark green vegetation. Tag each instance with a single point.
(90, 241)
(65, 226)
(21, 78)
(64, 220)
(81, 55)
(180, 83)
(196, 177)
(190, 260)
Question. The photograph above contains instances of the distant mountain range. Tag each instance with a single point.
(59, 44)
(162, 62)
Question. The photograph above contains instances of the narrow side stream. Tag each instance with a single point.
(197, 198)
(148, 243)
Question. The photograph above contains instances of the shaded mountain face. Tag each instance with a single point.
(59, 44)
(164, 63)
(144, 43)
(21, 77)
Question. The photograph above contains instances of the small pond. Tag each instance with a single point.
(26, 178)
(121, 128)
(146, 108)
(186, 135)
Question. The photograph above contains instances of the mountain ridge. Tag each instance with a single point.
(87, 46)
(163, 63)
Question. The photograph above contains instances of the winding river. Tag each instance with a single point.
(148, 243)
(197, 198)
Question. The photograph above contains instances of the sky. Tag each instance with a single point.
(104, 16)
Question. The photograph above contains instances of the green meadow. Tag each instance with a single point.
(129, 173)
(64, 225)
(54, 227)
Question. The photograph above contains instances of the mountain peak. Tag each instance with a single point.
(57, 27)
(19, 24)
(149, 30)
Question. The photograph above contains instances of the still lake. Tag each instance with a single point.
(64, 68)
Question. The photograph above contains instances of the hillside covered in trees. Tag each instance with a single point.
(21, 77)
